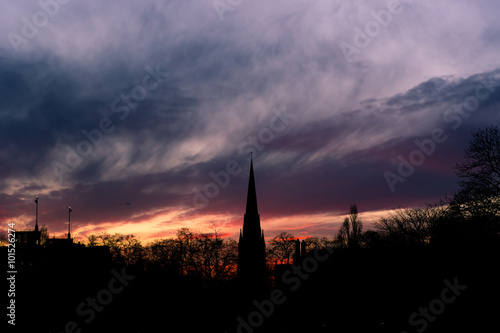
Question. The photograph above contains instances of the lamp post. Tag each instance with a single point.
(36, 214)
(69, 222)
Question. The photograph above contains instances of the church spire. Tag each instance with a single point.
(252, 245)
(252, 194)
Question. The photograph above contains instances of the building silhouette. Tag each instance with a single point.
(36, 238)
(252, 272)
(300, 251)
(30, 237)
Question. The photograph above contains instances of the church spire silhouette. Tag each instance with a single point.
(251, 208)
(252, 246)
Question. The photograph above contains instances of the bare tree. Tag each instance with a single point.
(125, 249)
(480, 174)
(227, 260)
(350, 233)
(315, 242)
(163, 253)
(187, 251)
(207, 256)
(281, 249)
(410, 226)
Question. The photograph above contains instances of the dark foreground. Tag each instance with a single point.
(366, 290)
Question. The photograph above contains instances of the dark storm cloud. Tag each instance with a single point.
(331, 181)
(225, 80)
(45, 106)
(31, 98)
(341, 176)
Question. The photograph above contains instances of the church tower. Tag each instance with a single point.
(252, 247)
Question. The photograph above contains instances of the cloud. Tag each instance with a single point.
(225, 80)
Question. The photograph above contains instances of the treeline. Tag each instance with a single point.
(202, 255)
(433, 226)
(209, 256)
(469, 217)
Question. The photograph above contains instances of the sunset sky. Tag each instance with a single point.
(159, 103)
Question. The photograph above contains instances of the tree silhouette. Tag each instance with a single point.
(480, 175)
(207, 256)
(281, 248)
(216, 257)
(350, 233)
(163, 254)
(314, 242)
(125, 249)
(410, 226)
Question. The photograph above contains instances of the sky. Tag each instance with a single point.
(159, 103)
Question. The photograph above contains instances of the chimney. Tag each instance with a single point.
(296, 257)
(303, 248)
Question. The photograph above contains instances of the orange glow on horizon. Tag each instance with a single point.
(166, 225)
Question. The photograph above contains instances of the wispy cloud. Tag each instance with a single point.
(225, 78)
